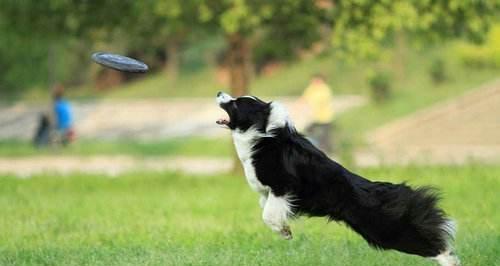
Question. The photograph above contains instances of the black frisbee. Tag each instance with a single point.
(119, 62)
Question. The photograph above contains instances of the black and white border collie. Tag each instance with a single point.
(294, 178)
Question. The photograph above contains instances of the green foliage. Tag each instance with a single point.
(380, 84)
(37, 37)
(23, 64)
(159, 22)
(484, 55)
(170, 219)
(276, 28)
(270, 51)
(437, 70)
(57, 19)
(247, 17)
(362, 27)
(39, 64)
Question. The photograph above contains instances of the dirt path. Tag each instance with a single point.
(134, 119)
(466, 128)
(145, 119)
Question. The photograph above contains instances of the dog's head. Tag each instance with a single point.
(250, 112)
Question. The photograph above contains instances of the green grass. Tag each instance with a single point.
(171, 147)
(167, 219)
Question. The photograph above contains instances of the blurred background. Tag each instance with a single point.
(408, 82)
(395, 90)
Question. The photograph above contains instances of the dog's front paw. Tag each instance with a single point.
(286, 233)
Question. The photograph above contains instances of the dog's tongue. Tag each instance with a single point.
(222, 121)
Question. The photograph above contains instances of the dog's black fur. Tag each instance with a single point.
(386, 215)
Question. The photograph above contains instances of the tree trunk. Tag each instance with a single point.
(239, 64)
(172, 66)
(239, 60)
(401, 50)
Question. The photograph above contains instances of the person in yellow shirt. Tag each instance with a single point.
(319, 98)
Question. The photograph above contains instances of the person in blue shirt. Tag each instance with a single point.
(63, 116)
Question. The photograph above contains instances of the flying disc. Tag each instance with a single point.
(119, 62)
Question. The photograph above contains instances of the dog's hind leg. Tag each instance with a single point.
(276, 213)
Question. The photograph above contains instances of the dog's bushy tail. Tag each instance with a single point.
(430, 221)
(435, 225)
(432, 224)
(396, 216)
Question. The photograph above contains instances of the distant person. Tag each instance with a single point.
(42, 133)
(319, 98)
(63, 116)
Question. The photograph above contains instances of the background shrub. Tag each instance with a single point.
(380, 85)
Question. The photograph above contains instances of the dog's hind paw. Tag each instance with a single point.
(286, 233)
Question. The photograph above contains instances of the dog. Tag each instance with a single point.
(295, 178)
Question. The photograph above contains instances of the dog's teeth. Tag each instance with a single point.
(221, 121)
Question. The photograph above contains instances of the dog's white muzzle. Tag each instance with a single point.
(223, 98)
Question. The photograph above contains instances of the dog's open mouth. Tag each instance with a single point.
(222, 121)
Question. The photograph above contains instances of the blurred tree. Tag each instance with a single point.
(360, 27)
(363, 27)
(41, 25)
(246, 24)
(486, 54)
(167, 24)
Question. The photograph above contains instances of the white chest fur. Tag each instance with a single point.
(244, 143)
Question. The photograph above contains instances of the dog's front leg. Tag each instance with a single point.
(263, 199)
(276, 213)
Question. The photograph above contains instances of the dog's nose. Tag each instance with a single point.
(219, 93)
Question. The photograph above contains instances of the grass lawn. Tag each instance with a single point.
(172, 147)
(168, 219)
